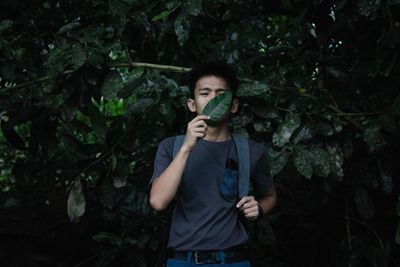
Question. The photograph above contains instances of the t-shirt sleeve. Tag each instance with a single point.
(163, 157)
(261, 174)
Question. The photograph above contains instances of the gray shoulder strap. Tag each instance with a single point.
(177, 144)
(243, 151)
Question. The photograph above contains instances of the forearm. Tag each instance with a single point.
(164, 188)
(268, 201)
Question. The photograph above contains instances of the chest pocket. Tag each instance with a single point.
(229, 187)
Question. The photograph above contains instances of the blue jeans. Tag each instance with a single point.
(189, 263)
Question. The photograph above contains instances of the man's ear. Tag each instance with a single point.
(235, 105)
(191, 105)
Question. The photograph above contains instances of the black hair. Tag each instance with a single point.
(219, 69)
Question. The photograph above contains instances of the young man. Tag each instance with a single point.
(206, 227)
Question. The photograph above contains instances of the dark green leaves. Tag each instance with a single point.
(397, 238)
(66, 57)
(97, 121)
(182, 28)
(113, 83)
(194, 7)
(303, 163)
(282, 135)
(252, 89)
(76, 201)
(218, 108)
(318, 161)
(364, 204)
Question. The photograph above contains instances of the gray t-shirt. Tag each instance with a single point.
(205, 216)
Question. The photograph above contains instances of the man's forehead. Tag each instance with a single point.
(212, 82)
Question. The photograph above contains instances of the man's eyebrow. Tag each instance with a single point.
(208, 89)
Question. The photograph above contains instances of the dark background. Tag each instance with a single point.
(82, 111)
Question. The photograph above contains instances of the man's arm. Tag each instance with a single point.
(164, 188)
(249, 205)
(268, 201)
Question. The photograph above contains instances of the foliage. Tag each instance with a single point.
(81, 119)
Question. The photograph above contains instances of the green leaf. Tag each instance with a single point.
(387, 123)
(262, 126)
(303, 162)
(364, 204)
(387, 183)
(398, 234)
(165, 14)
(165, 107)
(113, 83)
(106, 236)
(218, 108)
(325, 128)
(194, 7)
(66, 57)
(76, 203)
(321, 163)
(240, 121)
(107, 258)
(182, 27)
(278, 160)
(387, 60)
(305, 134)
(394, 108)
(367, 7)
(68, 27)
(282, 135)
(336, 160)
(97, 121)
(12, 136)
(373, 137)
(252, 89)
(5, 25)
(141, 105)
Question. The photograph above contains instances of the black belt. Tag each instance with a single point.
(211, 257)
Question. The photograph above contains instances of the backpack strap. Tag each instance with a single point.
(177, 144)
(243, 152)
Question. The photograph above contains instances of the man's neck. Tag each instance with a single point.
(219, 133)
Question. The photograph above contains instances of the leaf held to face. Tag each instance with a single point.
(218, 107)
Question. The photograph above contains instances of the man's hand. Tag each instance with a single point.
(196, 129)
(249, 207)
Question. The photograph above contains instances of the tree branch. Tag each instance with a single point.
(150, 66)
(116, 65)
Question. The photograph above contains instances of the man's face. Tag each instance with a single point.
(207, 88)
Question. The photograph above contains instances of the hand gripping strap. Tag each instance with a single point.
(243, 152)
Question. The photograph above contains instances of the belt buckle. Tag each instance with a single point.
(196, 258)
(199, 260)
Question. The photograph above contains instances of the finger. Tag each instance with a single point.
(241, 202)
(250, 204)
(198, 124)
(251, 215)
(251, 210)
(199, 134)
(201, 118)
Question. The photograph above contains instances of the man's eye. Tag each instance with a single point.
(203, 93)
